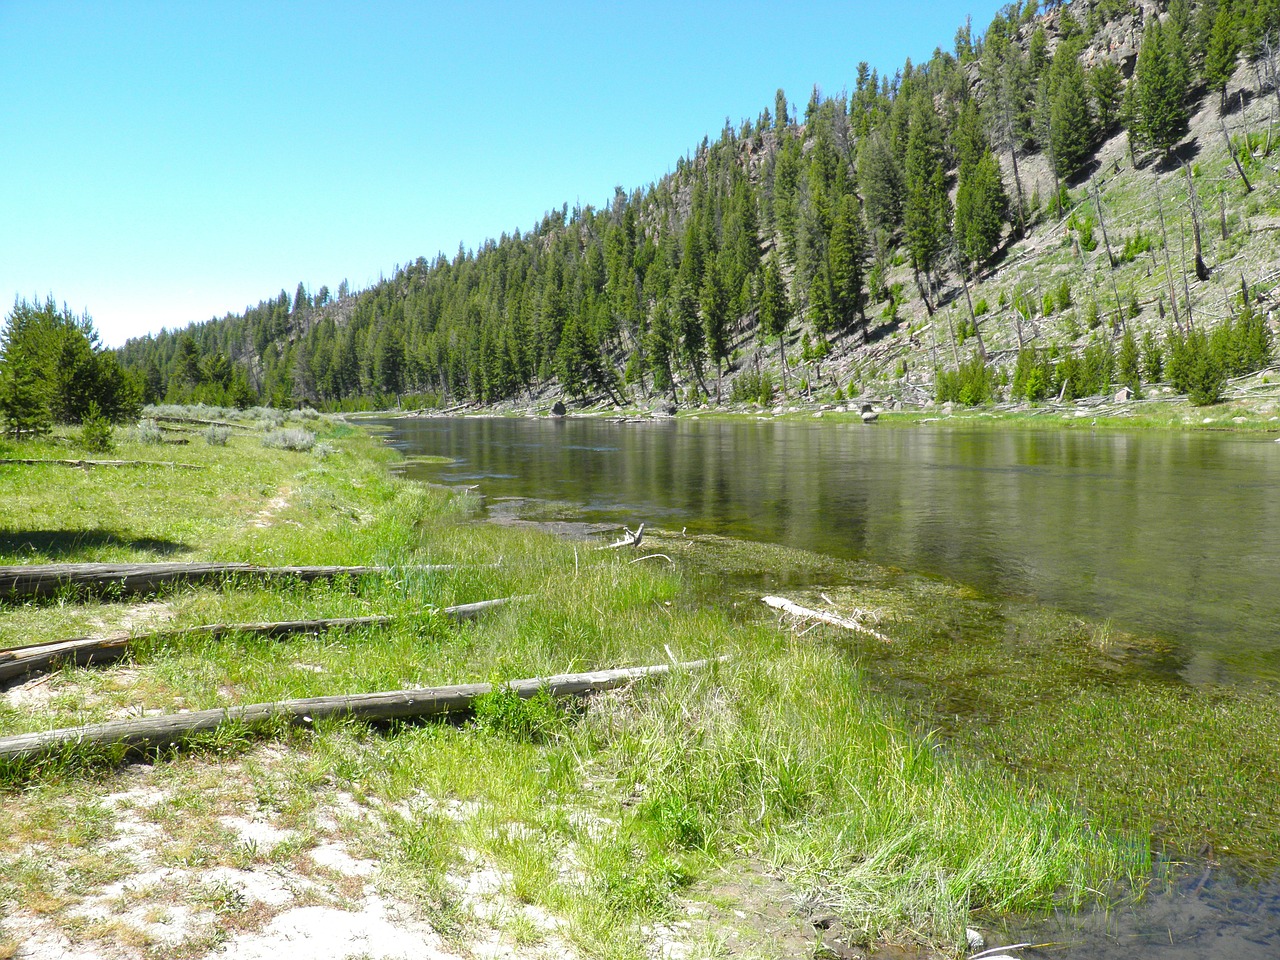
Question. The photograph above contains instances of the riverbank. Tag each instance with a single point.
(1251, 405)
(672, 816)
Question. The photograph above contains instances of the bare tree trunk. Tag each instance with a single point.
(1102, 222)
(1168, 267)
(928, 304)
(1193, 203)
(1248, 187)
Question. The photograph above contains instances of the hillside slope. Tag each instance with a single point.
(1016, 218)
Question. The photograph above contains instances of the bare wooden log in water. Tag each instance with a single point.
(173, 729)
(85, 651)
(788, 606)
(86, 464)
(31, 581)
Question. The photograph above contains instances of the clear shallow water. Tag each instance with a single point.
(1176, 535)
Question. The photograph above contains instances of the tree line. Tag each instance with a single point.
(796, 217)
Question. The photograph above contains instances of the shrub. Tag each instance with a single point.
(752, 387)
(504, 712)
(95, 430)
(148, 432)
(267, 416)
(216, 436)
(1135, 245)
(973, 383)
(294, 438)
(1062, 294)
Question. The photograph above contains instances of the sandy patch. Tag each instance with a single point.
(380, 930)
(257, 834)
(334, 856)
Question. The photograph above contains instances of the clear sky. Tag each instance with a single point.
(164, 163)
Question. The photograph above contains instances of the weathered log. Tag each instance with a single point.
(85, 651)
(173, 729)
(788, 606)
(86, 464)
(197, 420)
(43, 580)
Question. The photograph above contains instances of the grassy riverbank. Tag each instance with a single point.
(1251, 406)
(607, 829)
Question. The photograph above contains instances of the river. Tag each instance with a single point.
(1175, 535)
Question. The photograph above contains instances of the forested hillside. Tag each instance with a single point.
(1073, 198)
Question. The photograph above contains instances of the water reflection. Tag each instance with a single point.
(1170, 534)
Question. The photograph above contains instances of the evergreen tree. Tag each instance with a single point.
(775, 310)
(927, 217)
(1223, 49)
(714, 302)
(52, 368)
(1160, 88)
(1105, 85)
(1070, 126)
(981, 211)
(846, 259)
(881, 180)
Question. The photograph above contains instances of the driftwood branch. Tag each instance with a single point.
(628, 540)
(86, 464)
(173, 729)
(788, 606)
(84, 651)
(43, 580)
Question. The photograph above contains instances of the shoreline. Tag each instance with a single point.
(1255, 413)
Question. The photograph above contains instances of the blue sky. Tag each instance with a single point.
(166, 163)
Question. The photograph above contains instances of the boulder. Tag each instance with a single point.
(558, 409)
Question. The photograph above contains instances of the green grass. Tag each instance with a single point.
(603, 813)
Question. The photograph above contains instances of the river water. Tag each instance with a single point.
(1164, 534)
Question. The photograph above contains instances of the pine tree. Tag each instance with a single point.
(1160, 87)
(1105, 84)
(714, 303)
(1070, 125)
(927, 217)
(981, 211)
(881, 180)
(846, 258)
(775, 310)
(1223, 49)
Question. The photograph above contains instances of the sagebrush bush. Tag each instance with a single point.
(216, 436)
(148, 431)
(294, 438)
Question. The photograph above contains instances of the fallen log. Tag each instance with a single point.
(86, 464)
(788, 606)
(42, 580)
(85, 651)
(161, 418)
(173, 729)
